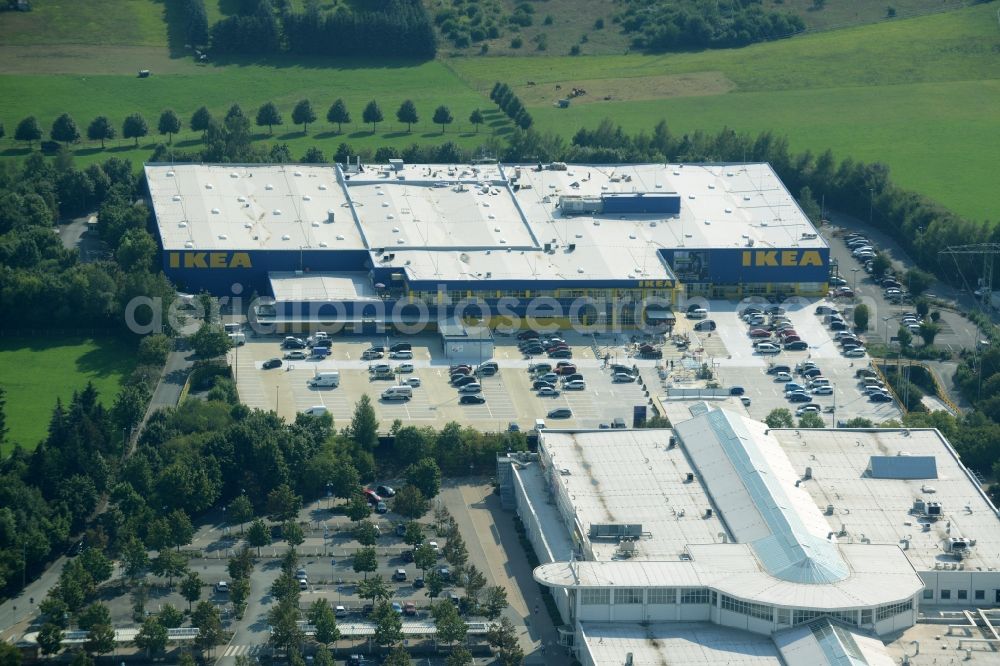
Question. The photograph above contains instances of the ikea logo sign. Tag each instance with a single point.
(209, 260)
(768, 258)
(656, 284)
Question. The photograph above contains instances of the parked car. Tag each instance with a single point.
(547, 392)
(568, 369)
(782, 377)
(385, 491)
(825, 310)
(880, 397)
(550, 377)
(792, 386)
(540, 367)
(471, 387)
(823, 390)
(409, 608)
(296, 355)
(560, 413)
(561, 353)
(381, 507)
(838, 326)
(799, 397)
(805, 409)
(622, 378)
(413, 381)
(405, 367)
(370, 355)
(541, 383)
(464, 380)
(857, 352)
(471, 400)
(811, 372)
(525, 335)
(271, 363)
(222, 587)
(401, 346)
(697, 313)
(775, 369)
(760, 333)
(796, 345)
(460, 369)
(575, 385)
(768, 348)
(737, 390)
(401, 355)
(706, 325)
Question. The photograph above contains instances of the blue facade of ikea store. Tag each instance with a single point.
(217, 271)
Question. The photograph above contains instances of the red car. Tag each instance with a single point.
(786, 332)
(565, 370)
(843, 292)
(372, 496)
(760, 333)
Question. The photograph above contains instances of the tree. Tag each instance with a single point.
(414, 533)
(181, 529)
(476, 118)
(923, 307)
(339, 114)
(779, 418)
(407, 113)
(859, 422)
(494, 602)
(135, 559)
(322, 657)
(28, 130)
(363, 430)
(210, 340)
(313, 155)
(241, 564)
(424, 556)
(397, 656)
(292, 533)
(321, 616)
(435, 584)
(475, 581)
(372, 114)
(936, 316)
(191, 588)
(455, 550)
(459, 657)
(880, 264)
(152, 637)
(285, 630)
(365, 533)
(388, 626)
(240, 510)
(96, 564)
(50, 638)
(365, 560)
(135, 127)
(442, 117)
(811, 420)
(200, 120)
(425, 475)
(93, 615)
(283, 503)
(239, 592)
(235, 111)
(206, 618)
(64, 129)
(357, 506)
(170, 616)
(449, 625)
(169, 563)
(258, 535)
(268, 115)
(101, 638)
(904, 337)
(374, 588)
(503, 640)
(409, 502)
(100, 129)
(169, 124)
(928, 332)
(918, 281)
(861, 317)
(303, 114)
(9, 655)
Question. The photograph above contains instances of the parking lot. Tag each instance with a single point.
(509, 395)
(730, 352)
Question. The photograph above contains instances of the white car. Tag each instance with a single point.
(782, 377)
(857, 352)
(474, 387)
(807, 408)
(222, 587)
(823, 390)
(413, 381)
(768, 348)
(405, 367)
(403, 354)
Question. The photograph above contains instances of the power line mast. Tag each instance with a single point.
(989, 252)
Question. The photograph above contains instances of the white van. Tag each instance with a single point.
(398, 393)
(325, 379)
(233, 328)
(315, 410)
(539, 425)
(238, 339)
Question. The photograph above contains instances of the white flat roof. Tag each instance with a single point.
(879, 509)
(250, 207)
(470, 222)
(879, 575)
(627, 477)
(323, 287)
(688, 643)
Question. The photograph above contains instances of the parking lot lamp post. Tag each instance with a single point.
(833, 412)
(854, 280)
(885, 325)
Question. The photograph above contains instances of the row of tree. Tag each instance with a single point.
(381, 28)
(65, 130)
(688, 24)
(195, 22)
(510, 104)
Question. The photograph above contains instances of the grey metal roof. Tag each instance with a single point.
(775, 530)
(837, 644)
(903, 467)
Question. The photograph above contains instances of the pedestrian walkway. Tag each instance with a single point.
(242, 650)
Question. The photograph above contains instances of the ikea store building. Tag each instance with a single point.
(590, 245)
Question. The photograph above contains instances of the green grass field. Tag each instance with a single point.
(918, 94)
(36, 371)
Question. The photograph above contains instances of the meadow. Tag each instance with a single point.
(917, 94)
(36, 371)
